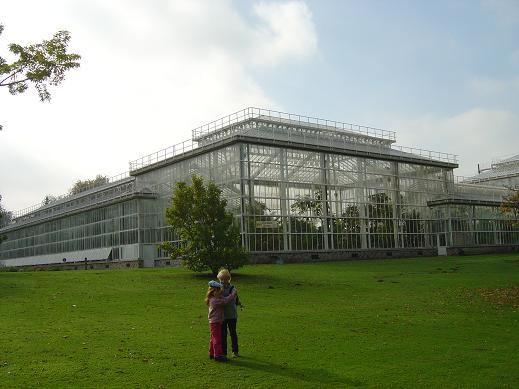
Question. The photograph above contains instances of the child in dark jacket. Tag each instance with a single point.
(230, 313)
(216, 302)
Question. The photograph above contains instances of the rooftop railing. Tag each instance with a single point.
(255, 113)
(161, 155)
(428, 154)
(466, 180)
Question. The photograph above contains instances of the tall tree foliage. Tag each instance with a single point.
(263, 229)
(82, 185)
(209, 239)
(309, 222)
(348, 225)
(49, 199)
(380, 213)
(42, 64)
(5, 218)
(309, 204)
(510, 207)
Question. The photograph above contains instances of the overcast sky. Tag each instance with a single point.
(443, 74)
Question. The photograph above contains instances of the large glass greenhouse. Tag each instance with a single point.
(300, 188)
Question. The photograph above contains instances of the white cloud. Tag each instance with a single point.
(150, 72)
(476, 136)
(289, 32)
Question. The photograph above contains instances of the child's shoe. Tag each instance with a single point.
(221, 358)
(235, 355)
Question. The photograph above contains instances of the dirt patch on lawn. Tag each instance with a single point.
(501, 297)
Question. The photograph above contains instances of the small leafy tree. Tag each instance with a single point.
(41, 64)
(209, 239)
(510, 207)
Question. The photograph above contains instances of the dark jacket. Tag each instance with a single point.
(230, 311)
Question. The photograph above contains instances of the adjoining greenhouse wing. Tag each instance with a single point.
(301, 188)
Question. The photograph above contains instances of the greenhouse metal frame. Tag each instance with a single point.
(295, 184)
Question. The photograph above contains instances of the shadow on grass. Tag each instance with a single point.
(311, 375)
(11, 290)
(237, 277)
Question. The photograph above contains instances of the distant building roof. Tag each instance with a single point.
(504, 168)
(512, 160)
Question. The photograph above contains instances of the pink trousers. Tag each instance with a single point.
(215, 344)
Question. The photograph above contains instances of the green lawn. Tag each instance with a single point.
(429, 322)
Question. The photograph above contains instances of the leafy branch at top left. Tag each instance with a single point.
(42, 64)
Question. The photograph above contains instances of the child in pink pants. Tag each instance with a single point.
(216, 302)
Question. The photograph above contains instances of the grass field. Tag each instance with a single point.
(430, 322)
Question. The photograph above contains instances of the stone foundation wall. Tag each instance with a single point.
(285, 257)
(96, 265)
(89, 265)
(475, 250)
(323, 256)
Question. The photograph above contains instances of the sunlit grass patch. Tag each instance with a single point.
(501, 297)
